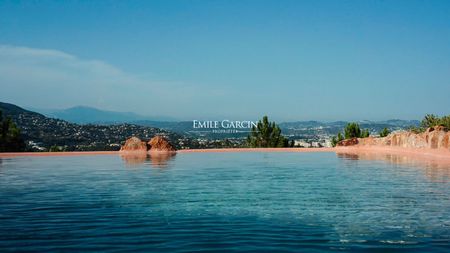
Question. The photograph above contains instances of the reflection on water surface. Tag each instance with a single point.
(157, 160)
(435, 169)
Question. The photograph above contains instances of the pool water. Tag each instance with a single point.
(222, 202)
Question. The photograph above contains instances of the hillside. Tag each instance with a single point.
(41, 132)
(306, 130)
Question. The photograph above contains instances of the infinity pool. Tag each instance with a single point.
(222, 202)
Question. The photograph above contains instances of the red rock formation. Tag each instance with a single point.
(134, 144)
(433, 138)
(159, 143)
(348, 142)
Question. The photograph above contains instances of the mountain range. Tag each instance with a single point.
(91, 115)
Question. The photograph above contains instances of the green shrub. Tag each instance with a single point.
(352, 130)
(266, 135)
(430, 120)
(365, 133)
(385, 132)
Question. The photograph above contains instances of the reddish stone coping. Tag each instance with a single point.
(72, 153)
(223, 150)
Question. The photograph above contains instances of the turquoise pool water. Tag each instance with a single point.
(260, 202)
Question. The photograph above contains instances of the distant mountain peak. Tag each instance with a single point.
(82, 114)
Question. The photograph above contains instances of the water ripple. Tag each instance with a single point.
(258, 202)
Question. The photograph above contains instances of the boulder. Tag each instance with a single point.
(159, 143)
(134, 144)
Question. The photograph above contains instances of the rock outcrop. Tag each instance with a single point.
(134, 144)
(348, 142)
(159, 143)
(433, 138)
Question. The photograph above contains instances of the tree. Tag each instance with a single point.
(385, 132)
(445, 121)
(430, 120)
(10, 137)
(266, 135)
(352, 130)
(365, 133)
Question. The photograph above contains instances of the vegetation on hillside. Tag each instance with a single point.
(336, 139)
(10, 137)
(41, 133)
(431, 120)
(352, 130)
(266, 135)
(385, 132)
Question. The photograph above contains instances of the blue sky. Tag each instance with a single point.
(291, 60)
